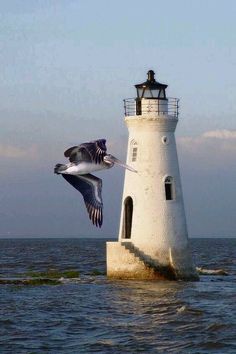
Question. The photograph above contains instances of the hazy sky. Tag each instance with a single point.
(67, 65)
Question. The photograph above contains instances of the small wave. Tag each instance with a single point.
(63, 280)
(213, 327)
(6, 321)
(85, 279)
(213, 345)
(187, 309)
(37, 281)
(106, 342)
(204, 271)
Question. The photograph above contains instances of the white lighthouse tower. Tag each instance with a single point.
(153, 238)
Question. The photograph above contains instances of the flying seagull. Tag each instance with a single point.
(84, 159)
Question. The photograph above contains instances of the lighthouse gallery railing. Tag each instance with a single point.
(132, 107)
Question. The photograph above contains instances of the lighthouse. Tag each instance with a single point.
(153, 238)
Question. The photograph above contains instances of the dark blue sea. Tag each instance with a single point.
(84, 312)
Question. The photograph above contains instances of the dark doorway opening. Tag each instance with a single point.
(128, 216)
(169, 188)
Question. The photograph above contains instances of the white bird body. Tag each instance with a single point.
(82, 168)
(84, 159)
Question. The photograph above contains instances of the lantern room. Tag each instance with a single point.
(151, 100)
(151, 89)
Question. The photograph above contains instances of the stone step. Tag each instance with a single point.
(147, 260)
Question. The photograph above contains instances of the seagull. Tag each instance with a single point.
(84, 159)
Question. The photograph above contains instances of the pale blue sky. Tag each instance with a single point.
(66, 67)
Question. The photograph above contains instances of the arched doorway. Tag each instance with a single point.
(127, 217)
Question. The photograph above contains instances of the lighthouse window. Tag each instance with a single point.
(169, 188)
(133, 151)
(147, 93)
(165, 140)
(134, 154)
(162, 94)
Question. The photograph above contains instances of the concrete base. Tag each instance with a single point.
(123, 263)
(181, 262)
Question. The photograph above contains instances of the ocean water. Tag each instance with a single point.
(91, 314)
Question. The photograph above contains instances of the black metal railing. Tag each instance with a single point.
(135, 107)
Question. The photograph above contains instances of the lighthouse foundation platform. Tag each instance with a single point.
(126, 261)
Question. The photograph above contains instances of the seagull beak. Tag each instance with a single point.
(113, 159)
(118, 162)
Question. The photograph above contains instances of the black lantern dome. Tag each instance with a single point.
(151, 89)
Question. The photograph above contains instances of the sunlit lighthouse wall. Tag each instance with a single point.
(153, 238)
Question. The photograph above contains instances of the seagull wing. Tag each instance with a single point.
(96, 149)
(77, 154)
(69, 151)
(91, 189)
(93, 151)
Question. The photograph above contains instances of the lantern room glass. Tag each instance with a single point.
(151, 89)
(148, 92)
